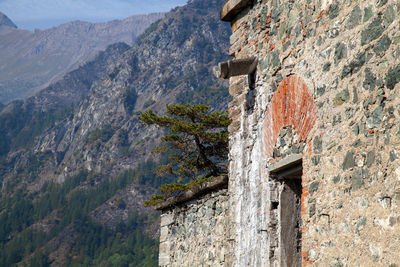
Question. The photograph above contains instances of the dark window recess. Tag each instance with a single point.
(274, 205)
(251, 94)
(288, 172)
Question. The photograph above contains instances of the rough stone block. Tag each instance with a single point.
(236, 89)
(167, 219)
(164, 254)
(373, 31)
(234, 127)
(164, 233)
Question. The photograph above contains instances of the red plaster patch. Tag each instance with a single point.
(291, 104)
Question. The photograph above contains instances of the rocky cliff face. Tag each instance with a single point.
(104, 128)
(92, 125)
(33, 60)
(75, 85)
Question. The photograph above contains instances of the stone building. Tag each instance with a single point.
(314, 163)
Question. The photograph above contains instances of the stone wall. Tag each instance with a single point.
(194, 229)
(328, 75)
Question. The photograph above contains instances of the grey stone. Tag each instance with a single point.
(382, 45)
(317, 142)
(337, 263)
(355, 95)
(341, 97)
(367, 102)
(254, 24)
(376, 119)
(297, 30)
(274, 30)
(264, 17)
(336, 179)
(326, 67)
(321, 90)
(370, 158)
(319, 42)
(392, 77)
(313, 188)
(389, 16)
(315, 160)
(211, 256)
(336, 120)
(276, 12)
(333, 33)
(381, 3)
(349, 161)
(373, 31)
(357, 143)
(361, 222)
(381, 100)
(344, 95)
(264, 63)
(357, 180)
(369, 80)
(354, 18)
(392, 156)
(335, 83)
(356, 130)
(354, 65)
(275, 58)
(312, 210)
(368, 13)
(282, 29)
(333, 10)
(286, 46)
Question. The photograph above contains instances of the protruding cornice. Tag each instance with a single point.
(233, 7)
(236, 67)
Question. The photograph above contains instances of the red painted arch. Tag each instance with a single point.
(291, 105)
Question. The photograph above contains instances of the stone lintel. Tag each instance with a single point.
(232, 8)
(285, 163)
(236, 67)
(218, 183)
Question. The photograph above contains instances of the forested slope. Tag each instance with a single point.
(75, 175)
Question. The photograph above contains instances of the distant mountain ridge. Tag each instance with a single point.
(30, 61)
(6, 21)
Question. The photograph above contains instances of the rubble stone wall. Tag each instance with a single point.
(329, 71)
(327, 86)
(195, 233)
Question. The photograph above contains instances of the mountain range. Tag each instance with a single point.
(32, 60)
(5, 23)
(75, 160)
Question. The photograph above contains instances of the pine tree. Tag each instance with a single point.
(196, 143)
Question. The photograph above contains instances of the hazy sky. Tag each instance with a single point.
(42, 14)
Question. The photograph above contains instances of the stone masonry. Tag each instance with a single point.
(194, 227)
(326, 87)
(328, 76)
